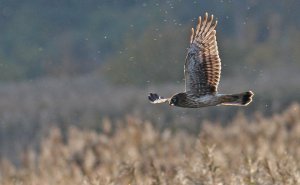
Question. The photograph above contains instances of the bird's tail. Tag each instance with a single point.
(241, 99)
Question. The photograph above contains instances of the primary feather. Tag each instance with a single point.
(154, 98)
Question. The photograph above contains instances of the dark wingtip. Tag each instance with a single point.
(153, 96)
(150, 97)
(247, 98)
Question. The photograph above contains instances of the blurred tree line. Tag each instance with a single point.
(137, 41)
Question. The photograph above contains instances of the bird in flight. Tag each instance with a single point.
(202, 70)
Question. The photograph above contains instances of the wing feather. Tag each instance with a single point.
(202, 68)
(154, 98)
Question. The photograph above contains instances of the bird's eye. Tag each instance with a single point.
(174, 100)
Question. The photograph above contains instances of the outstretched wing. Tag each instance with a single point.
(202, 67)
(154, 98)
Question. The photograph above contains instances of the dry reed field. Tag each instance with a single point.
(264, 150)
(29, 108)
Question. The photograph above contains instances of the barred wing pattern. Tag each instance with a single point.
(202, 67)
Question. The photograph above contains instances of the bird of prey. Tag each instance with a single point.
(202, 70)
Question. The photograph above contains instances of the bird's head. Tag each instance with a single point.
(173, 100)
(176, 99)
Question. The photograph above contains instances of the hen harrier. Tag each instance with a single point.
(202, 71)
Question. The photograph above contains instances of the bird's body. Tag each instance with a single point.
(202, 70)
(189, 100)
